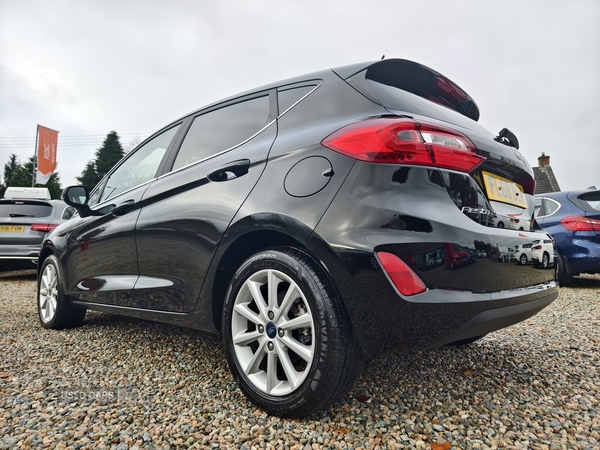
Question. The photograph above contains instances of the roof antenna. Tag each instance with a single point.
(383, 57)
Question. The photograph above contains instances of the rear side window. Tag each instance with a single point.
(222, 129)
(287, 98)
(545, 207)
(16, 209)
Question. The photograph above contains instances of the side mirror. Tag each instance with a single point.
(77, 197)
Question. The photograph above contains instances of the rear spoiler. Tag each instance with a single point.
(416, 79)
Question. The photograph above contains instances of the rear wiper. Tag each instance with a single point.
(507, 137)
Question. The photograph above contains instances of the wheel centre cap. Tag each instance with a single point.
(271, 330)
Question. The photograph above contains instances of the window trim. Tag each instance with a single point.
(315, 84)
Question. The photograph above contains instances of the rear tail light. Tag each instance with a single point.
(43, 227)
(581, 223)
(406, 281)
(537, 247)
(405, 141)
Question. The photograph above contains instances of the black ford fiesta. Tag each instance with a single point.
(308, 221)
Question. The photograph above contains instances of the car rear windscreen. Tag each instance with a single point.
(15, 209)
(589, 201)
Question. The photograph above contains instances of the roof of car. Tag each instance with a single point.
(419, 80)
(568, 194)
(27, 193)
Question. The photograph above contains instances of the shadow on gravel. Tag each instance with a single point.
(585, 282)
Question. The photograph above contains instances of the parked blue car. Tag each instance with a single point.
(573, 220)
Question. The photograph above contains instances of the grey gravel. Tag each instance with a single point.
(123, 383)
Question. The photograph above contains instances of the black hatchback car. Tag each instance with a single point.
(307, 221)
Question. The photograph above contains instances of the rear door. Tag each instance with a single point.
(187, 211)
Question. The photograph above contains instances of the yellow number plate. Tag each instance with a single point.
(12, 228)
(503, 190)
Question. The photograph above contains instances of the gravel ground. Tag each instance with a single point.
(125, 383)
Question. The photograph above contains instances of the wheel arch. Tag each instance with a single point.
(245, 238)
(45, 253)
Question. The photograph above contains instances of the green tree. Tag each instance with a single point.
(20, 175)
(89, 178)
(9, 169)
(107, 156)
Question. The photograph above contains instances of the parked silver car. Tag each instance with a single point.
(26, 215)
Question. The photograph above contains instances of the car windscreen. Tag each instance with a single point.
(16, 208)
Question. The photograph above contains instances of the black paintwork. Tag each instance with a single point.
(169, 247)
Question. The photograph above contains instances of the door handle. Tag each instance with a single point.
(230, 170)
(124, 208)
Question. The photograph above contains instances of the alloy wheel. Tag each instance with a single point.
(48, 293)
(272, 331)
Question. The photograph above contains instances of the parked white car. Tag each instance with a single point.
(542, 252)
(523, 253)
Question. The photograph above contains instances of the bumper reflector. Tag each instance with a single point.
(406, 281)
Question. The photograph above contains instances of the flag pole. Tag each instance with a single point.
(37, 133)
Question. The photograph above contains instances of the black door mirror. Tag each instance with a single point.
(76, 196)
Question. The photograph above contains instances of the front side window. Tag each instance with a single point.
(139, 167)
(222, 129)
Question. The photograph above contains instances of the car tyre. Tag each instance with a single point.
(55, 311)
(545, 260)
(287, 337)
(500, 224)
(523, 259)
(564, 275)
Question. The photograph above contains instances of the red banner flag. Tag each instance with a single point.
(46, 154)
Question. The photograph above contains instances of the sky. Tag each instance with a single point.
(86, 68)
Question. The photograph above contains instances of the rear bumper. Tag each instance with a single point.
(498, 318)
(20, 252)
(583, 256)
(439, 317)
(19, 256)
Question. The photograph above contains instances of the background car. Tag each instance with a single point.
(455, 256)
(26, 215)
(505, 254)
(523, 253)
(305, 221)
(542, 252)
(573, 220)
